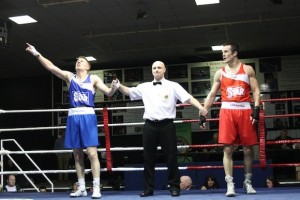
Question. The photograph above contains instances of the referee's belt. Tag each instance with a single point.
(159, 121)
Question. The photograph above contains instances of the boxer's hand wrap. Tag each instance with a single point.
(36, 53)
(255, 113)
(33, 51)
(202, 120)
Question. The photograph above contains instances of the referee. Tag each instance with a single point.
(160, 97)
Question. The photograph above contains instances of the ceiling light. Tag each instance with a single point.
(57, 2)
(205, 2)
(217, 48)
(90, 58)
(24, 19)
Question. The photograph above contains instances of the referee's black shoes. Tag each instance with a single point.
(146, 193)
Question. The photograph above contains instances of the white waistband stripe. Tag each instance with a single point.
(236, 105)
(81, 111)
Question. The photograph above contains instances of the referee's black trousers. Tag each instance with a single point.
(161, 133)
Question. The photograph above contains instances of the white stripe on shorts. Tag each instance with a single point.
(236, 105)
(81, 111)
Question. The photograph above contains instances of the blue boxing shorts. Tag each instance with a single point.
(82, 130)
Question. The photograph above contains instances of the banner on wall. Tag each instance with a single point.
(183, 133)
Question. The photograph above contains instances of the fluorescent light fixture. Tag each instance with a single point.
(217, 48)
(90, 58)
(24, 19)
(58, 2)
(205, 2)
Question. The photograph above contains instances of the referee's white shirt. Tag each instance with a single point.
(159, 100)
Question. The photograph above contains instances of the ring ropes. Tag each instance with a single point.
(108, 149)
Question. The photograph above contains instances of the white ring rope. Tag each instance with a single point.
(120, 169)
(99, 125)
(63, 110)
(66, 110)
(32, 111)
(31, 129)
(63, 127)
(2, 152)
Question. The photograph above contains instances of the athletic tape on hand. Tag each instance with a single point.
(202, 120)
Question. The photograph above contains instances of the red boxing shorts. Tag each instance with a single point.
(235, 126)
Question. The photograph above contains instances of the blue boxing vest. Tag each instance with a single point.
(82, 94)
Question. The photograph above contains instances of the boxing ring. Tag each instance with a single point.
(219, 194)
(262, 193)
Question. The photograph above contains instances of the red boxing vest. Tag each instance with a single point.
(235, 88)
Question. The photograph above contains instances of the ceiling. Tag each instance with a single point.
(175, 31)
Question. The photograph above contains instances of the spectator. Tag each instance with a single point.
(42, 188)
(74, 187)
(271, 182)
(278, 123)
(185, 183)
(214, 140)
(210, 182)
(20, 178)
(284, 136)
(10, 166)
(63, 159)
(11, 185)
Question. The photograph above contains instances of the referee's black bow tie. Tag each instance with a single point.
(158, 82)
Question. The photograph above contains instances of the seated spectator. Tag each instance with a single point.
(63, 159)
(278, 123)
(284, 136)
(74, 187)
(11, 185)
(10, 166)
(42, 188)
(22, 181)
(185, 183)
(271, 182)
(214, 140)
(210, 182)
